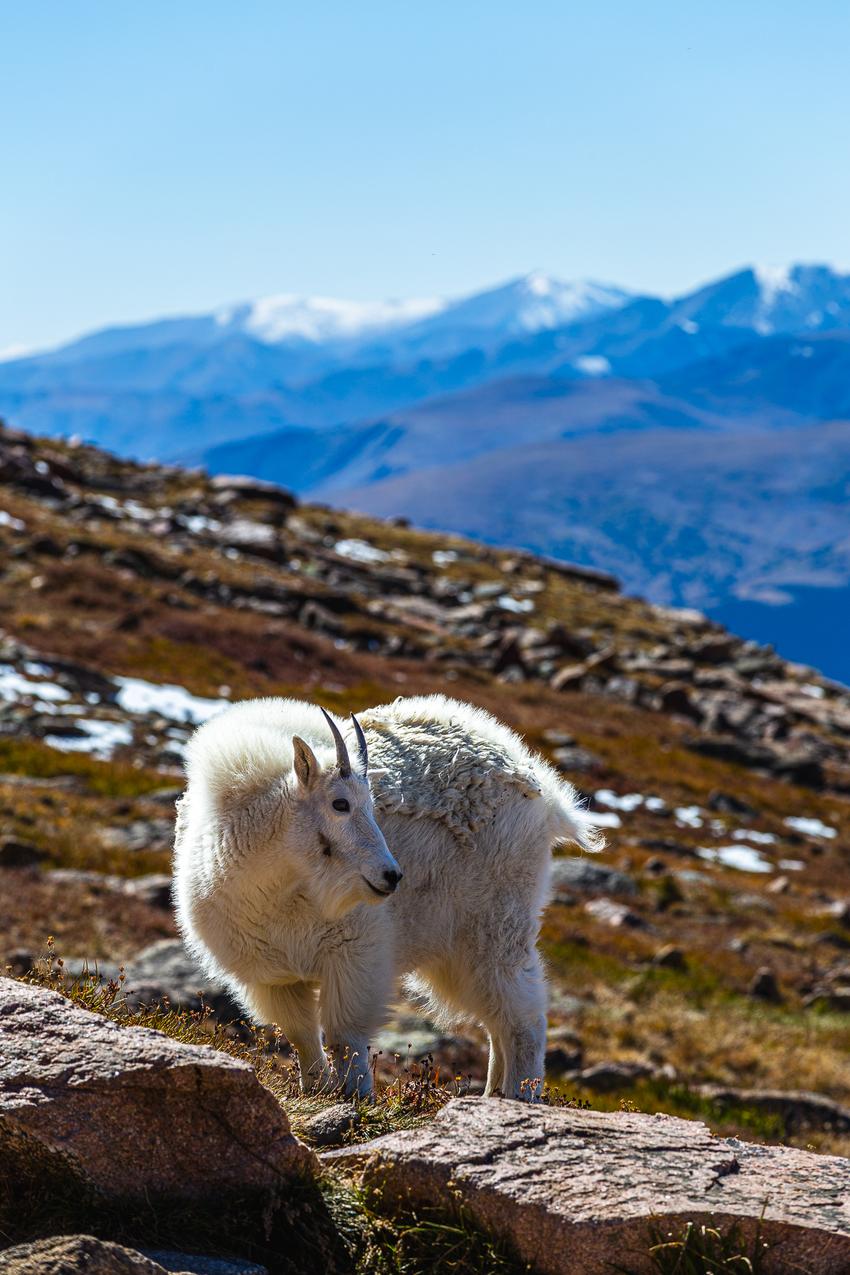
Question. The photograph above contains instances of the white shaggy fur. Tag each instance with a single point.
(276, 889)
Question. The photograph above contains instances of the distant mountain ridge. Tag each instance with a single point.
(525, 413)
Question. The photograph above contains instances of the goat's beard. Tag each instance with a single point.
(335, 898)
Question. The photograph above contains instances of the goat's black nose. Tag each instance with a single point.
(392, 878)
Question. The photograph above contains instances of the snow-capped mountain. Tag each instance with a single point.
(771, 300)
(279, 319)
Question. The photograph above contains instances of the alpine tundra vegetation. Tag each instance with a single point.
(312, 883)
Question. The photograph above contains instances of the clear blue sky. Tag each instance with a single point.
(167, 157)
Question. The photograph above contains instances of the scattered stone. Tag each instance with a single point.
(580, 875)
(166, 971)
(19, 854)
(141, 834)
(836, 999)
(655, 866)
(329, 1127)
(615, 914)
(574, 1191)
(575, 760)
(727, 803)
(798, 1108)
(675, 697)
(605, 1077)
(153, 888)
(564, 1052)
(670, 957)
(765, 986)
(568, 678)
(253, 489)
(839, 911)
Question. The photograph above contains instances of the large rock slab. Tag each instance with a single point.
(111, 1114)
(574, 1192)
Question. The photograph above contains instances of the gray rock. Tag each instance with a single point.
(328, 1127)
(153, 888)
(799, 1108)
(564, 1052)
(765, 986)
(165, 970)
(583, 876)
(615, 914)
(141, 834)
(19, 854)
(575, 759)
(670, 957)
(574, 1192)
(126, 1114)
(607, 1077)
(194, 1264)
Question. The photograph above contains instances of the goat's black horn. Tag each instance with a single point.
(342, 758)
(362, 746)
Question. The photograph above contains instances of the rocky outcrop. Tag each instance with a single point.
(114, 1117)
(574, 1192)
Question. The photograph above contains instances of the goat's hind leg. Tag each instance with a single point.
(516, 1023)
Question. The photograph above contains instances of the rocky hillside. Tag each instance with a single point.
(699, 964)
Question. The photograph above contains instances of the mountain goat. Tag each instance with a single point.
(312, 887)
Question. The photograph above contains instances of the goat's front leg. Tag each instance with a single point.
(353, 1005)
(294, 1007)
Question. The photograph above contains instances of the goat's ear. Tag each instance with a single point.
(306, 766)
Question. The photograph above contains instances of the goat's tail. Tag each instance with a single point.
(570, 820)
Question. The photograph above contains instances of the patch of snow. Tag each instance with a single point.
(792, 865)
(101, 739)
(316, 319)
(14, 524)
(246, 531)
(14, 685)
(519, 606)
(628, 801)
(811, 827)
(443, 557)
(757, 838)
(33, 669)
(742, 858)
(543, 302)
(165, 700)
(655, 804)
(592, 365)
(360, 551)
(688, 816)
(772, 280)
(606, 819)
(15, 351)
(197, 523)
(812, 690)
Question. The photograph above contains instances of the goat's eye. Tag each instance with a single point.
(341, 805)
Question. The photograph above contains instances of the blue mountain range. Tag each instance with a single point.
(697, 446)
